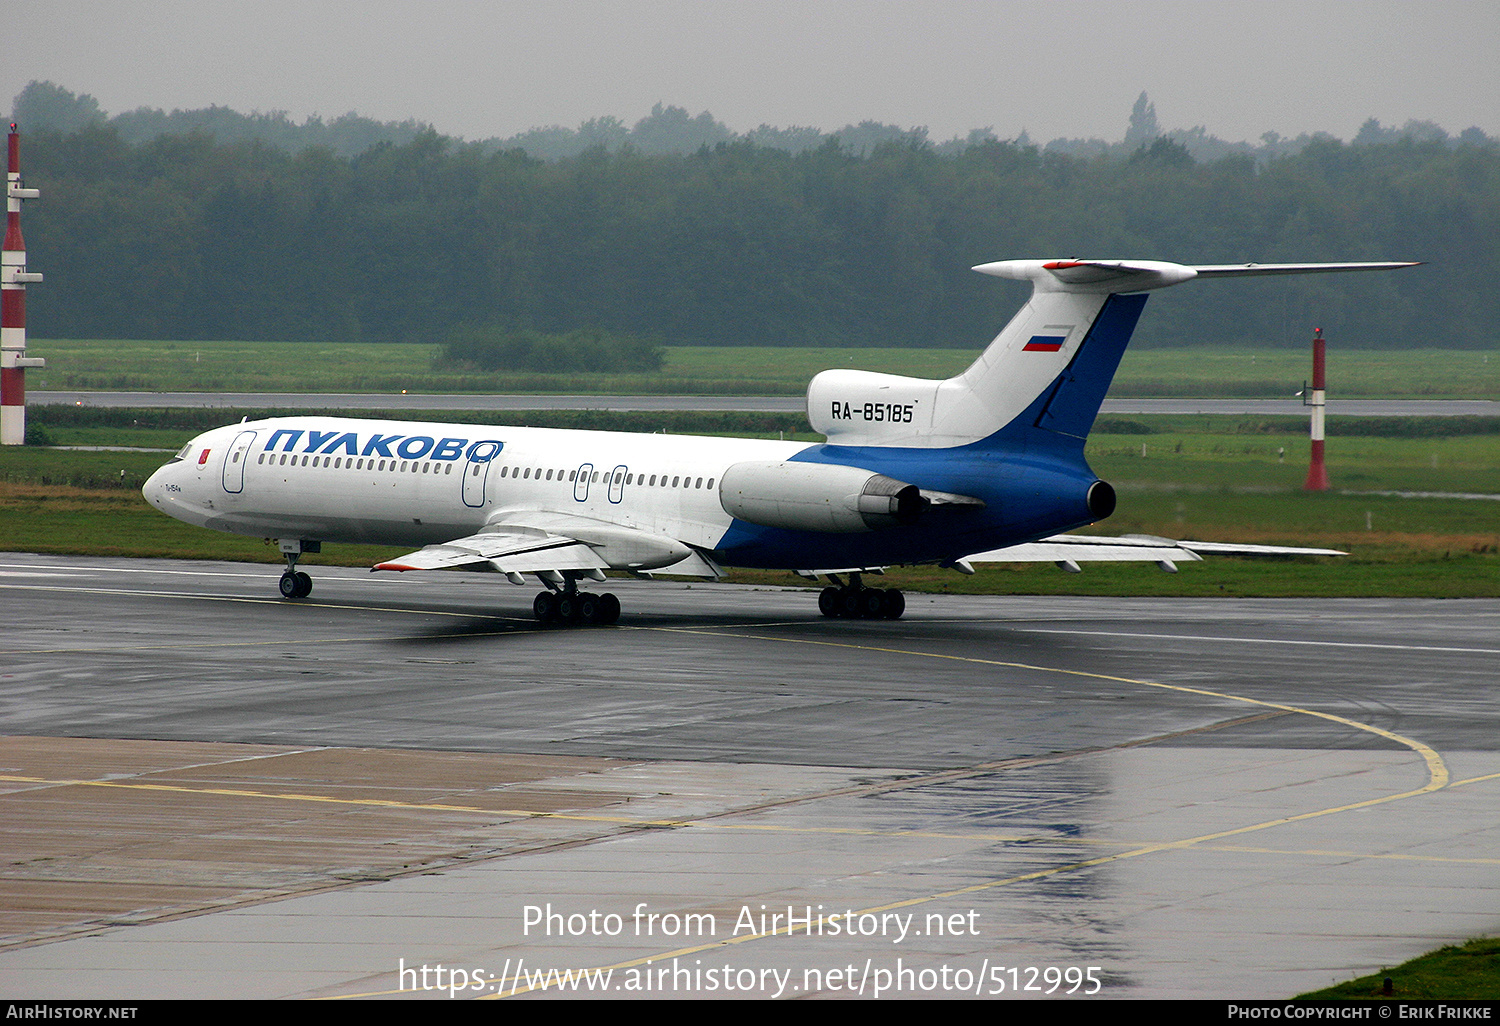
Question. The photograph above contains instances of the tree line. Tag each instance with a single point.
(187, 236)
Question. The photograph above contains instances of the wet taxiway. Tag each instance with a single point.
(209, 791)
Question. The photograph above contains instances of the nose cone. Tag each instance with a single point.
(155, 488)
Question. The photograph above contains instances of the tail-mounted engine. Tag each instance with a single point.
(825, 497)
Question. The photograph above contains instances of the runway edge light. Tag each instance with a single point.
(13, 281)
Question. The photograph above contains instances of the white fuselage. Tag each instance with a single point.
(342, 480)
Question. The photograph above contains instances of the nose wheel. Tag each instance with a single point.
(295, 584)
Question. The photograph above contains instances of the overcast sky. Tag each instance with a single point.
(1053, 67)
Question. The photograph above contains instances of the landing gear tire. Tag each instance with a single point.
(862, 603)
(544, 607)
(578, 607)
(892, 604)
(295, 584)
(828, 602)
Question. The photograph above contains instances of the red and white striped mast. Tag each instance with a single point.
(1317, 470)
(13, 280)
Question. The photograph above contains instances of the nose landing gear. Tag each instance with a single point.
(294, 583)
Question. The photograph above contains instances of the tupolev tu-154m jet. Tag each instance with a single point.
(985, 466)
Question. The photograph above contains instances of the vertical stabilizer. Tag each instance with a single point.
(1048, 369)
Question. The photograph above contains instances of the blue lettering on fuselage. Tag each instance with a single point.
(484, 451)
(412, 447)
(346, 441)
(380, 444)
(291, 439)
(449, 449)
(315, 439)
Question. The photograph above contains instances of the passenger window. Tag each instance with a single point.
(710, 482)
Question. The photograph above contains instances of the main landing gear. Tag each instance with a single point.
(571, 606)
(854, 601)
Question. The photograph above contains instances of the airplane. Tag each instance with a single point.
(984, 466)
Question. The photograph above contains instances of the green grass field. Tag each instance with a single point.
(1202, 478)
(1464, 972)
(297, 367)
(1206, 478)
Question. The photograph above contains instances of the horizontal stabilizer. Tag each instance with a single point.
(1245, 270)
(1080, 548)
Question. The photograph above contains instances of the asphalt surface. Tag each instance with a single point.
(1174, 797)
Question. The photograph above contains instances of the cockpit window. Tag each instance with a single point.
(182, 454)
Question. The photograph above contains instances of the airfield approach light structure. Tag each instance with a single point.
(13, 281)
(1317, 470)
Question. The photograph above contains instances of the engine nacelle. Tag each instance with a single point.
(817, 497)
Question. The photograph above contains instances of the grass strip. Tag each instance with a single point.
(1462, 972)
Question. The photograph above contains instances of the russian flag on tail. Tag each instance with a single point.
(1044, 344)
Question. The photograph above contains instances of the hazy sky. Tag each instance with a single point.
(1053, 67)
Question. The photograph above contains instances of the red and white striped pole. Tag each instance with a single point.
(13, 280)
(1317, 470)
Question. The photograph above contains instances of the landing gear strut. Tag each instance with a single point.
(568, 605)
(294, 583)
(854, 601)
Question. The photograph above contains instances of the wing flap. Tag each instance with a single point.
(535, 541)
(509, 550)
